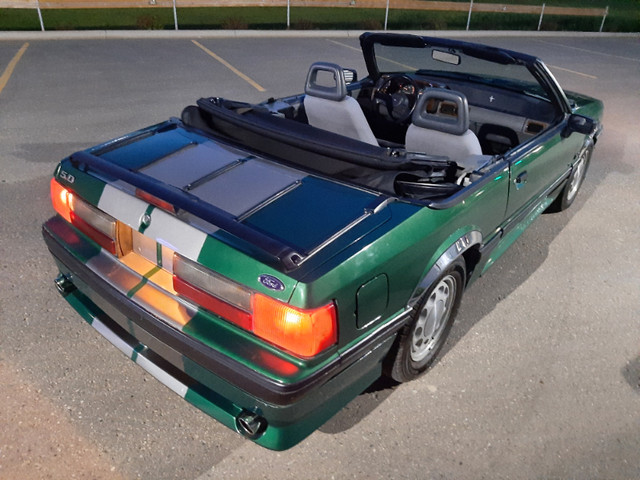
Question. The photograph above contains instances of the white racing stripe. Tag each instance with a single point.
(173, 233)
(162, 376)
(164, 227)
(112, 337)
(122, 206)
(150, 367)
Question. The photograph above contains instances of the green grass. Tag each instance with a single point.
(624, 16)
(18, 19)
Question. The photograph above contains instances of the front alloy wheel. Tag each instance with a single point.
(576, 178)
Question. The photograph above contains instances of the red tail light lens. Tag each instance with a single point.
(213, 304)
(153, 200)
(61, 199)
(304, 333)
(97, 225)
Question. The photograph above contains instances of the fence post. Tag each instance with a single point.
(175, 15)
(288, 14)
(40, 15)
(541, 15)
(386, 15)
(469, 17)
(606, 11)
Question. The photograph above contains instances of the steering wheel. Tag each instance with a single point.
(398, 93)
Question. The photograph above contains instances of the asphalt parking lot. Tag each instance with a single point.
(539, 380)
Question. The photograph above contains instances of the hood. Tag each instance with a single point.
(585, 105)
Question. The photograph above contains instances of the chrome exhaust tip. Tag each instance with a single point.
(64, 284)
(251, 425)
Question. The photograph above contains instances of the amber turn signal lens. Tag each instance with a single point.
(303, 332)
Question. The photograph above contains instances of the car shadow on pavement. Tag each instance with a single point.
(360, 407)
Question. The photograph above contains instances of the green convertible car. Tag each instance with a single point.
(268, 262)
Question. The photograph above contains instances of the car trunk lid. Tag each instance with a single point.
(241, 198)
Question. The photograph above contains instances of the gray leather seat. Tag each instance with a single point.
(440, 126)
(329, 107)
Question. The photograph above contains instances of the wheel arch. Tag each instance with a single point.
(466, 245)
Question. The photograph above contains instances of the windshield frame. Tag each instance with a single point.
(500, 58)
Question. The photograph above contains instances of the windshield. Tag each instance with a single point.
(455, 64)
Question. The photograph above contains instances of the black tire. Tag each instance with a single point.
(416, 348)
(574, 182)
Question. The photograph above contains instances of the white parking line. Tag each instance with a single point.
(589, 51)
(380, 58)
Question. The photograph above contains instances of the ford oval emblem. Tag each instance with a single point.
(271, 282)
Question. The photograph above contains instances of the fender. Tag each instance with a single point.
(450, 255)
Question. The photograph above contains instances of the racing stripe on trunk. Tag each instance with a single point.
(122, 206)
(173, 233)
(164, 228)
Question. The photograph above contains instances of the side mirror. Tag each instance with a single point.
(580, 124)
(350, 75)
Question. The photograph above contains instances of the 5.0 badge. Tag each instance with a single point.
(67, 177)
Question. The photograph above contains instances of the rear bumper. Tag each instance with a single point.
(217, 384)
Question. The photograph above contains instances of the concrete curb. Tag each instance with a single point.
(179, 34)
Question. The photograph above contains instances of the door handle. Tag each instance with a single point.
(521, 180)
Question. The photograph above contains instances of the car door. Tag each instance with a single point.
(536, 168)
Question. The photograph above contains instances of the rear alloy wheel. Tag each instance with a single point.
(420, 341)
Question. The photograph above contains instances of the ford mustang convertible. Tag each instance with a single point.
(268, 262)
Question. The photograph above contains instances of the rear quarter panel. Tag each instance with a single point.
(404, 252)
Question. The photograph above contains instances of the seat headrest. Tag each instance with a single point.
(443, 110)
(326, 80)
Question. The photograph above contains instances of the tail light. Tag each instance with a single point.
(211, 291)
(61, 199)
(304, 333)
(97, 225)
